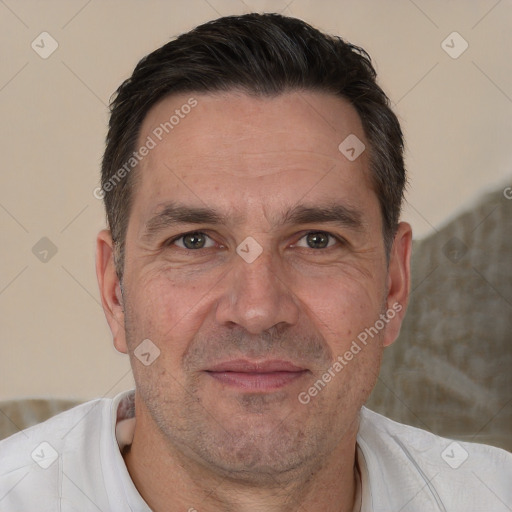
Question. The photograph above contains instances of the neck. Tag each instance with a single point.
(169, 478)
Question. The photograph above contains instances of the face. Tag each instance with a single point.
(254, 260)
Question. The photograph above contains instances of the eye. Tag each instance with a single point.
(193, 240)
(317, 240)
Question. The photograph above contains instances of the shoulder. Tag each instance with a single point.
(408, 463)
(60, 429)
(34, 458)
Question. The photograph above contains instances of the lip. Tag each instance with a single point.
(256, 376)
(246, 366)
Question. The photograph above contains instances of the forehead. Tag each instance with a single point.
(234, 150)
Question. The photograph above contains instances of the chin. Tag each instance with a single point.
(260, 452)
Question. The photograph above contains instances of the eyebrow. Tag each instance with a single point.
(175, 214)
(339, 214)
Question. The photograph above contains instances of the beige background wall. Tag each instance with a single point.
(456, 114)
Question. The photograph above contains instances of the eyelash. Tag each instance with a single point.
(338, 239)
(179, 237)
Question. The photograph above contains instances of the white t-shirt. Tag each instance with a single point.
(73, 462)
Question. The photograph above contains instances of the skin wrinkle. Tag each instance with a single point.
(170, 214)
(259, 451)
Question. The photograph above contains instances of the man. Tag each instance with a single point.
(254, 270)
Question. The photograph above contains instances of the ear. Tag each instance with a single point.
(110, 288)
(398, 281)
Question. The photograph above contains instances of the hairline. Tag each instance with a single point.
(134, 176)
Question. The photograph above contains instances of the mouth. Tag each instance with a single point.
(256, 376)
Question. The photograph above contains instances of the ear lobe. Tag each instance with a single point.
(399, 280)
(110, 289)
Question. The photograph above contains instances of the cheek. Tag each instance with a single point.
(166, 312)
(341, 307)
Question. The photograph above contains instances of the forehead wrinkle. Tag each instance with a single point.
(257, 163)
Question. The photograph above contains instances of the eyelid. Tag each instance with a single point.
(173, 240)
(338, 239)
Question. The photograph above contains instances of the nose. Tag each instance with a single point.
(257, 296)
